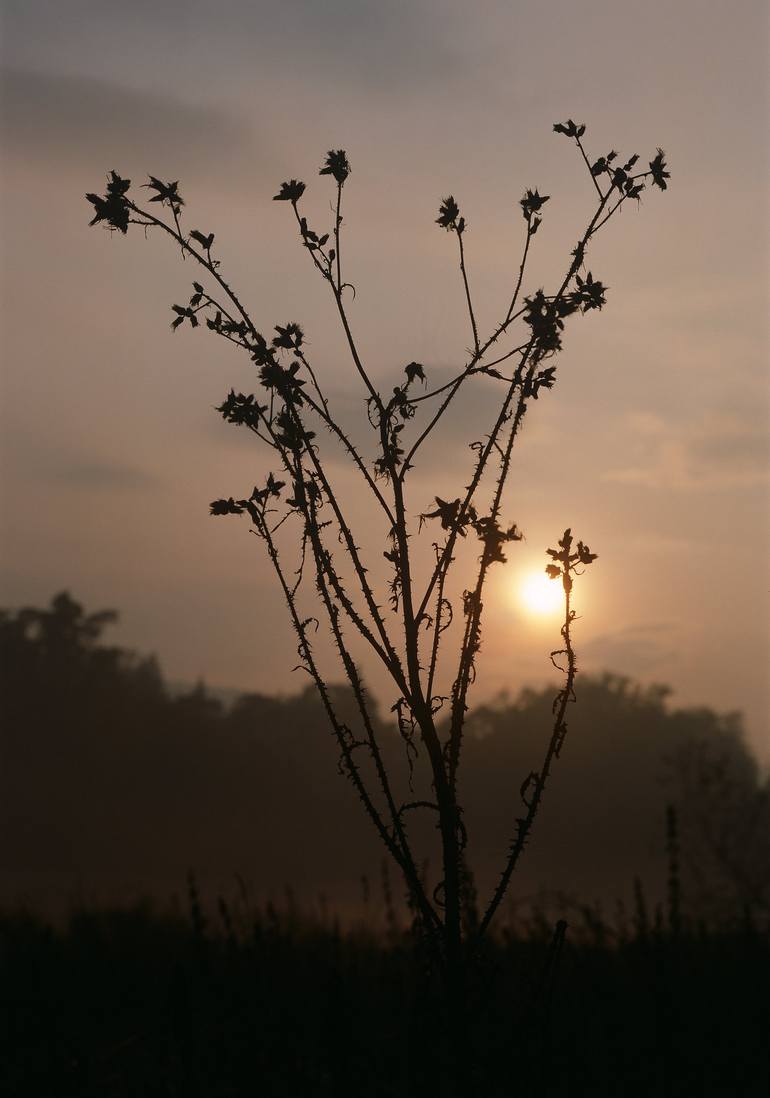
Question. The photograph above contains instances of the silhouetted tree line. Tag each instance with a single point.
(115, 784)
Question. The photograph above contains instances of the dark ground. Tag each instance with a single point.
(129, 1003)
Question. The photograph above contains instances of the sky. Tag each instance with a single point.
(653, 446)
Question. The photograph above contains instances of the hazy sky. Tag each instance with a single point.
(654, 444)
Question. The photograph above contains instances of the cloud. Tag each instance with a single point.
(106, 476)
(724, 449)
(391, 47)
(60, 120)
(635, 650)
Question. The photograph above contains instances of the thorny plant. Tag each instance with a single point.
(299, 515)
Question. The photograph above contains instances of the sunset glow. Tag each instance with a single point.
(539, 594)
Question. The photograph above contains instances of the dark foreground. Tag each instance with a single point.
(131, 1003)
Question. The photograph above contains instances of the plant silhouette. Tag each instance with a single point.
(313, 542)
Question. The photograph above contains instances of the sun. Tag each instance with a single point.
(539, 594)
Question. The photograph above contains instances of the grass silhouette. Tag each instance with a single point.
(268, 1001)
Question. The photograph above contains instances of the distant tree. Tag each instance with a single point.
(62, 632)
(723, 806)
(62, 646)
(313, 541)
(108, 775)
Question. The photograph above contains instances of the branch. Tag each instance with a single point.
(406, 861)
(337, 430)
(522, 265)
(588, 165)
(568, 564)
(205, 262)
(337, 726)
(459, 231)
(337, 291)
(484, 455)
(389, 656)
(471, 637)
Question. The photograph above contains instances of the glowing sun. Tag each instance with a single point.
(539, 594)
